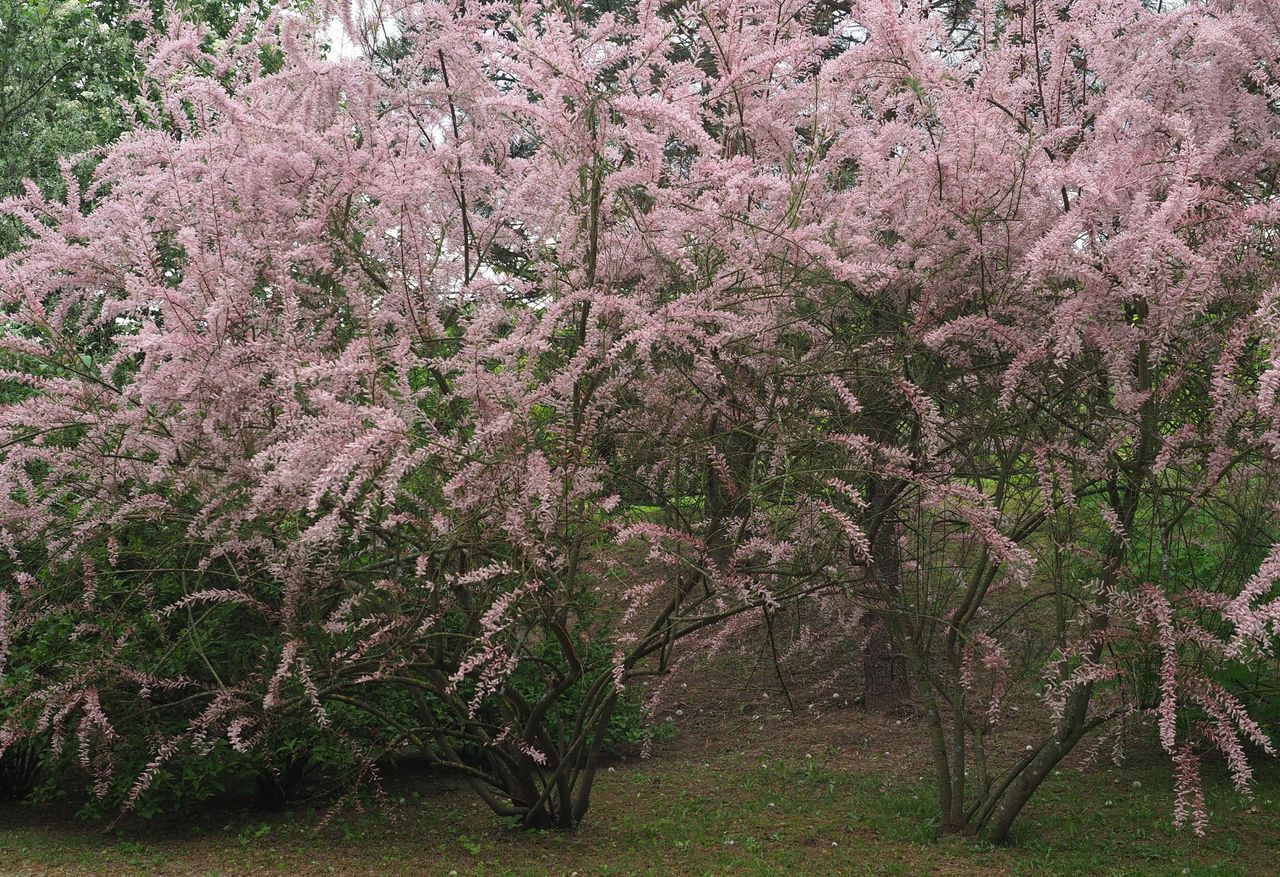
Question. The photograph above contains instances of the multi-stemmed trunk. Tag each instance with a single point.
(990, 809)
(536, 775)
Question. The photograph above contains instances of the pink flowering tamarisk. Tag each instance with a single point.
(379, 365)
(491, 364)
(1073, 221)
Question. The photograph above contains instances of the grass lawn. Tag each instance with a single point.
(855, 804)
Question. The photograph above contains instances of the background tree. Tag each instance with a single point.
(68, 75)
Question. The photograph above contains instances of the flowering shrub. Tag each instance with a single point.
(324, 391)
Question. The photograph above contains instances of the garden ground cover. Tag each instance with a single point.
(850, 796)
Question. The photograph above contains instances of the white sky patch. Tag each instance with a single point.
(854, 32)
(341, 46)
(379, 30)
(434, 133)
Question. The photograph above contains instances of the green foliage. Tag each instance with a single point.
(222, 643)
(65, 68)
(68, 72)
(1214, 546)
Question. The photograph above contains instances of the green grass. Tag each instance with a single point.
(692, 815)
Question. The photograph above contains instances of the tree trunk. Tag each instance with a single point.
(884, 672)
(885, 686)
